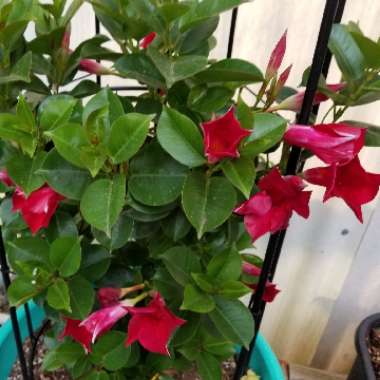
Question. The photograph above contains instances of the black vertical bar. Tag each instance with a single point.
(231, 37)
(97, 31)
(12, 311)
(29, 322)
(257, 305)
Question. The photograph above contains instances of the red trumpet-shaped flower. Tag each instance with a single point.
(5, 179)
(349, 182)
(153, 326)
(271, 290)
(276, 58)
(294, 102)
(222, 137)
(79, 333)
(332, 143)
(111, 296)
(271, 208)
(38, 208)
(147, 40)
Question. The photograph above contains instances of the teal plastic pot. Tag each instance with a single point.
(263, 360)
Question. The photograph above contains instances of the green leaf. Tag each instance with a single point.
(82, 297)
(209, 99)
(97, 375)
(156, 179)
(231, 70)
(128, 134)
(202, 10)
(204, 282)
(218, 346)
(178, 68)
(65, 353)
(347, 53)
(65, 255)
(62, 224)
(24, 171)
(244, 114)
(56, 110)
(95, 262)
(181, 262)
(24, 112)
(196, 300)
(140, 67)
(241, 173)
(20, 71)
(370, 50)
(103, 201)
(176, 226)
(225, 266)
(268, 131)
(233, 289)
(84, 88)
(63, 177)
(208, 367)
(13, 128)
(21, 290)
(181, 138)
(233, 320)
(121, 232)
(58, 296)
(207, 202)
(110, 351)
(69, 140)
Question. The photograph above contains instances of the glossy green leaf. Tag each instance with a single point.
(82, 297)
(21, 290)
(347, 53)
(62, 224)
(179, 68)
(208, 367)
(20, 72)
(268, 131)
(55, 111)
(209, 99)
(233, 320)
(65, 353)
(156, 178)
(24, 171)
(140, 67)
(58, 296)
(103, 201)
(176, 226)
(207, 202)
(234, 289)
(63, 177)
(128, 134)
(225, 266)
(110, 351)
(95, 262)
(65, 255)
(181, 262)
(370, 50)
(196, 300)
(231, 70)
(241, 173)
(181, 138)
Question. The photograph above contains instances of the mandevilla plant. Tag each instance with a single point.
(127, 217)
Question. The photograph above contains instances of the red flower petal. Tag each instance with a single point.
(153, 326)
(38, 208)
(109, 296)
(147, 40)
(271, 208)
(349, 182)
(283, 78)
(78, 333)
(276, 57)
(332, 143)
(222, 137)
(92, 67)
(103, 320)
(271, 290)
(4, 177)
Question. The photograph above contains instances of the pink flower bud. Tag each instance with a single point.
(276, 58)
(147, 40)
(5, 179)
(92, 67)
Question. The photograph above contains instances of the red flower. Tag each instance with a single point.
(271, 290)
(147, 40)
(276, 58)
(332, 143)
(38, 208)
(103, 320)
(93, 67)
(222, 137)
(271, 208)
(109, 296)
(349, 182)
(153, 326)
(294, 102)
(5, 179)
(282, 79)
(79, 333)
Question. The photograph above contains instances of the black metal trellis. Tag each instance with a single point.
(320, 65)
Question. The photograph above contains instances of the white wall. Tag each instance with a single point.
(329, 271)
